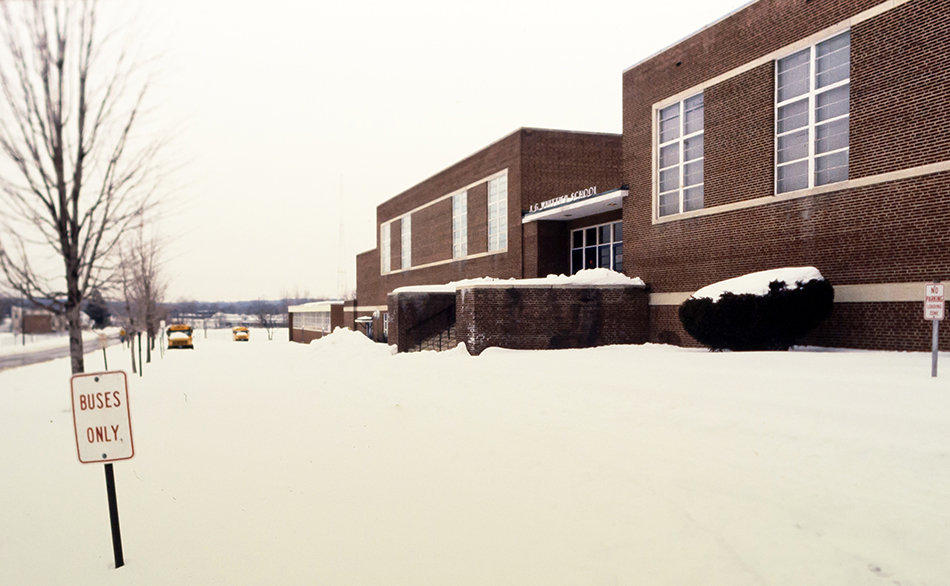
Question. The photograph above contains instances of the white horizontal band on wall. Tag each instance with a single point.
(910, 173)
(876, 293)
(447, 261)
(367, 308)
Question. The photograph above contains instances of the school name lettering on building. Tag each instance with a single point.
(571, 197)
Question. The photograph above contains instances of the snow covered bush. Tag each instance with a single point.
(769, 310)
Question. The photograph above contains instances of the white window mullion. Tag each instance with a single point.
(811, 118)
(682, 150)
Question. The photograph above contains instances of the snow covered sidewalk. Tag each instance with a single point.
(339, 463)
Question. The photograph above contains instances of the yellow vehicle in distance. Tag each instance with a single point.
(241, 334)
(179, 336)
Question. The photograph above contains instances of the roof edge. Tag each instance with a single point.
(691, 35)
(518, 130)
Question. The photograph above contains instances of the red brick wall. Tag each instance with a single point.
(900, 117)
(504, 154)
(895, 326)
(900, 75)
(368, 291)
(478, 218)
(739, 142)
(547, 318)
(305, 336)
(886, 233)
(547, 249)
(395, 245)
(432, 233)
(556, 163)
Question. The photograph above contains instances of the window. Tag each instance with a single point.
(406, 242)
(384, 248)
(498, 213)
(596, 247)
(680, 157)
(386, 324)
(460, 225)
(312, 320)
(812, 97)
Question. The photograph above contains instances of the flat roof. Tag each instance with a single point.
(314, 306)
(493, 143)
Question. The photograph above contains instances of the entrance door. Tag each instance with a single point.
(597, 247)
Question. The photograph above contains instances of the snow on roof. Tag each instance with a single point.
(758, 283)
(585, 277)
(313, 306)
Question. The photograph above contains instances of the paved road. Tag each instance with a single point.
(15, 360)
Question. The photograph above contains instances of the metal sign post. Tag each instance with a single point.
(103, 342)
(103, 429)
(933, 311)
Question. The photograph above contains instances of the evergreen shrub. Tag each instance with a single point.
(774, 321)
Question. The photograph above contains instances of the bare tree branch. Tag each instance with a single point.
(71, 180)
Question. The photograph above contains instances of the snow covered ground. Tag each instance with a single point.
(339, 463)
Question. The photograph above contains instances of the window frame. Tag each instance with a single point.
(498, 234)
(611, 244)
(405, 240)
(811, 96)
(460, 224)
(385, 248)
(680, 165)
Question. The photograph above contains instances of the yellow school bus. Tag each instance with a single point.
(179, 336)
(241, 334)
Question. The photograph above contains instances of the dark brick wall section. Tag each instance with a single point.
(368, 291)
(478, 218)
(738, 137)
(546, 249)
(556, 163)
(891, 232)
(336, 317)
(304, 336)
(493, 158)
(395, 245)
(551, 317)
(411, 316)
(900, 75)
(871, 326)
(432, 233)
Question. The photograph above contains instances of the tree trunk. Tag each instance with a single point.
(73, 306)
(132, 348)
(75, 339)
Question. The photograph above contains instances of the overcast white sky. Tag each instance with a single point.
(292, 114)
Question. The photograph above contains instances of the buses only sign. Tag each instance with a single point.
(101, 417)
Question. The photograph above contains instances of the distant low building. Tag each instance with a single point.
(312, 321)
(36, 321)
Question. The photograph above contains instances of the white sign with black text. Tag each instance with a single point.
(934, 301)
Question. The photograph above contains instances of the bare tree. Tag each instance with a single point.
(266, 314)
(143, 286)
(73, 175)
